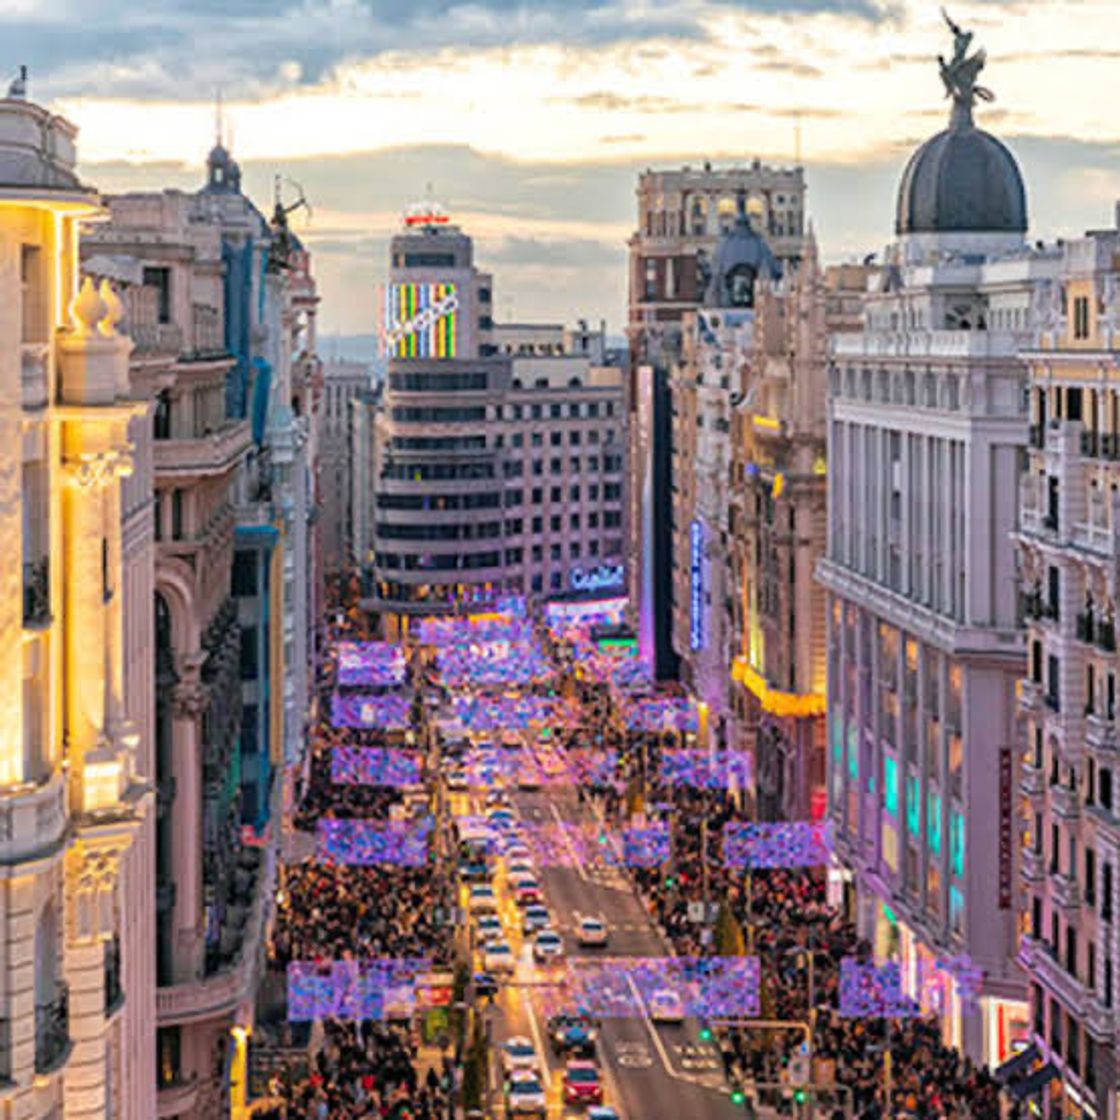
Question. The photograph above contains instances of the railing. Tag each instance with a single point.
(156, 338)
(114, 991)
(52, 1031)
(1065, 802)
(37, 592)
(206, 330)
(1065, 891)
(1100, 731)
(1032, 865)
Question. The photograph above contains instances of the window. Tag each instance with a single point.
(573, 493)
(538, 524)
(554, 411)
(537, 583)
(176, 515)
(538, 467)
(1081, 317)
(573, 523)
(574, 551)
(538, 553)
(593, 492)
(554, 523)
(1090, 877)
(573, 409)
(593, 549)
(538, 495)
(1106, 892)
(554, 552)
(555, 581)
(555, 466)
(556, 438)
(249, 660)
(555, 494)
(244, 577)
(159, 277)
(161, 417)
(593, 519)
(168, 1050)
(575, 438)
(574, 464)
(32, 294)
(518, 439)
(890, 786)
(536, 439)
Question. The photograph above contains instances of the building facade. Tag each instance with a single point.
(1068, 552)
(927, 428)
(681, 215)
(77, 908)
(498, 453)
(342, 382)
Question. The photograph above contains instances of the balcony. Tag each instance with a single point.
(52, 1032)
(1030, 694)
(1100, 732)
(32, 819)
(37, 593)
(114, 991)
(1065, 802)
(194, 1000)
(1031, 781)
(33, 374)
(177, 1098)
(208, 455)
(1065, 891)
(206, 331)
(1032, 865)
(151, 339)
(1041, 964)
(1100, 1021)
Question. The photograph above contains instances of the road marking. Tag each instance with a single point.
(662, 1053)
(577, 862)
(535, 1031)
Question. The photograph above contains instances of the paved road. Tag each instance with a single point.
(651, 1072)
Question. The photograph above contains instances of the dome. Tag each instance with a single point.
(740, 256)
(222, 171)
(962, 180)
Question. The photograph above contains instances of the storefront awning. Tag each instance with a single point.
(1017, 1065)
(1029, 1086)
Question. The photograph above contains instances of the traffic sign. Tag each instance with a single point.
(695, 911)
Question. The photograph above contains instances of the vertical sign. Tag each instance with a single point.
(696, 567)
(1006, 839)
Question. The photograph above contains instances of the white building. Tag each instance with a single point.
(342, 382)
(927, 426)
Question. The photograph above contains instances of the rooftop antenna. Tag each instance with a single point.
(17, 90)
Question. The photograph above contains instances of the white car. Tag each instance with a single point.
(519, 1053)
(482, 900)
(665, 1006)
(498, 957)
(534, 918)
(458, 780)
(591, 932)
(526, 1095)
(490, 927)
(548, 947)
(517, 867)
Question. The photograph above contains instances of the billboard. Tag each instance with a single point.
(420, 320)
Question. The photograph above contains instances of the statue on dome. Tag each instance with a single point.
(960, 73)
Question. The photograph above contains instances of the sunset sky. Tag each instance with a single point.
(531, 120)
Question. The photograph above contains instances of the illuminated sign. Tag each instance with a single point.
(421, 320)
(606, 577)
(696, 568)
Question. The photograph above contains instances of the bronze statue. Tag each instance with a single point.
(960, 73)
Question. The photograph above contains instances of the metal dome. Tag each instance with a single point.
(962, 180)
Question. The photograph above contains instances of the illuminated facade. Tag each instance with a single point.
(927, 426)
(681, 215)
(77, 916)
(779, 510)
(1068, 517)
(496, 453)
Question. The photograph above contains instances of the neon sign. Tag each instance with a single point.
(606, 577)
(696, 587)
(421, 320)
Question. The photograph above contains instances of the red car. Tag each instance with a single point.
(582, 1084)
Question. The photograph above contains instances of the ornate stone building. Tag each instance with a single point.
(76, 910)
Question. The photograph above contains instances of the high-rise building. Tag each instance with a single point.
(498, 453)
(681, 215)
(77, 920)
(927, 427)
(1069, 515)
(342, 382)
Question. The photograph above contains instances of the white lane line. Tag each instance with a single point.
(535, 1031)
(568, 842)
(658, 1044)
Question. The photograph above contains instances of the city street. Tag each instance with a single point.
(650, 1071)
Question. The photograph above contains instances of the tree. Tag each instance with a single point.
(729, 934)
(475, 1070)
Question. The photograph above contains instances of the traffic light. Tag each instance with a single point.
(799, 1096)
(669, 882)
(738, 1097)
(705, 1033)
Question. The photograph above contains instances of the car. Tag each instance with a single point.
(458, 781)
(582, 1084)
(569, 1033)
(489, 927)
(519, 1053)
(482, 899)
(665, 1006)
(591, 932)
(500, 816)
(602, 1112)
(526, 891)
(516, 850)
(497, 956)
(497, 798)
(485, 985)
(520, 867)
(534, 918)
(548, 947)
(526, 1095)
(529, 778)
(472, 868)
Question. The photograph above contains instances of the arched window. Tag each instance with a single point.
(575, 383)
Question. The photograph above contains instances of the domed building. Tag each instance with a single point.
(927, 428)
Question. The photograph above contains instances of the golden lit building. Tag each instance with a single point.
(779, 525)
(76, 906)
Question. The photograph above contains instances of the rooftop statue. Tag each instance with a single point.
(960, 74)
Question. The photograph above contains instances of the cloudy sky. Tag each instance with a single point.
(532, 118)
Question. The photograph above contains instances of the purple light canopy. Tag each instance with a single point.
(360, 843)
(795, 844)
(374, 766)
(378, 988)
(874, 991)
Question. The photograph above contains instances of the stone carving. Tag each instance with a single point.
(87, 309)
(98, 469)
(114, 310)
(189, 700)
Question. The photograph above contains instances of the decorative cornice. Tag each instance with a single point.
(94, 469)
